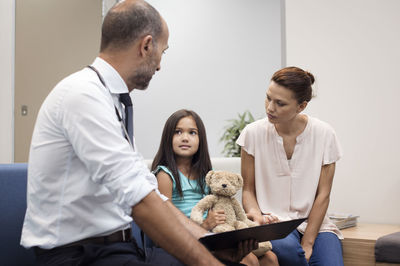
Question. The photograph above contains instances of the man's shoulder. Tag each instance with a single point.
(79, 91)
(79, 85)
(79, 82)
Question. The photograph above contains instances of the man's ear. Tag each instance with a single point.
(146, 45)
(302, 106)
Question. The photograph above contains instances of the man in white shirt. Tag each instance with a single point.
(85, 180)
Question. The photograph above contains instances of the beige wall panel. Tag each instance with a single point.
(54, 38)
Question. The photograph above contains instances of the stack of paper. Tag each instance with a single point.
(343, 220)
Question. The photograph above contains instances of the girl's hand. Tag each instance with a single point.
(256, 217)
(213, 219)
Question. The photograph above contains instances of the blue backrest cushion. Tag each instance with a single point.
(13, 179)
(13, 183)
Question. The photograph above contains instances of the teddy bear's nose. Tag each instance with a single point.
(224, 185)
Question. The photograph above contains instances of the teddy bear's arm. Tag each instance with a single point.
(203, 205)
(240, 214)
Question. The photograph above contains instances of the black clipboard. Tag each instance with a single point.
(260, 233)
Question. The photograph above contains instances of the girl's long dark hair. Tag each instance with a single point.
(201, 162)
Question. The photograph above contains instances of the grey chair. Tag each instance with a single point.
(387, 248)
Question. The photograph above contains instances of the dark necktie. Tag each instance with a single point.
(127, 102)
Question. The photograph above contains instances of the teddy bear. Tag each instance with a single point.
(223, 186)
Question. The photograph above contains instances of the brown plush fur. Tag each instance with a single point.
(224, 186)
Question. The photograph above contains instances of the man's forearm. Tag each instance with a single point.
(196, 230)
(164, 225)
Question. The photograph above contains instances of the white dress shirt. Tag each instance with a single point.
(286, 188)
(83, 176)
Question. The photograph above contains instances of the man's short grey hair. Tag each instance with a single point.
(125, 24)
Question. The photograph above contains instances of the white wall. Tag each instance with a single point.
(7, 33)
(352, 47)
(107, 4)
(221, 55)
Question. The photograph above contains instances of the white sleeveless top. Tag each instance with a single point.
(288, 191)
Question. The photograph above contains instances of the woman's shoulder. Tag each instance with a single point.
(320, 126)
(253, 132)
(257, 125)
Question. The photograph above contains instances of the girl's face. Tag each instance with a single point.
(185, 141)
(281, 105)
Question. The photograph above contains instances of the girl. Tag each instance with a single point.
(181, 165)
(183, 153)
(288, 164)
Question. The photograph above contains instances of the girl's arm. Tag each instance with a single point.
(164, 184)
(203, 205)
(249, 200)
(160, 221)
(318, 209)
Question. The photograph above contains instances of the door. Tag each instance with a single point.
(53, 38)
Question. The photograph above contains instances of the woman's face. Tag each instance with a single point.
(185, 141)
(281, 105)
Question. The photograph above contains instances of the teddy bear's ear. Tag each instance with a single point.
(208, 177)
(240, 180)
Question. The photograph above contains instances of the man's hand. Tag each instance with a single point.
(213, 219)
(236, 255)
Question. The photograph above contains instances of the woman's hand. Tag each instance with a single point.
(260, 219)
(319, 208)
(307, 251)
(256, 217)
(270, 218)
(213, 219)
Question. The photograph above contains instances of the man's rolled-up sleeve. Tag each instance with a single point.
(91, 125)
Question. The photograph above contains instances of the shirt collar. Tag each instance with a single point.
(111, 77)
(299, 138)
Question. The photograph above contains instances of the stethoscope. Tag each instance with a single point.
(116, 109)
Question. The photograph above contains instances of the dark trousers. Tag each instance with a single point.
(147, 242)
(106, 255)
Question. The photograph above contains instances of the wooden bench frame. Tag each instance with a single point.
(359, 243)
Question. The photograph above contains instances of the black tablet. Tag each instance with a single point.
(260, 233)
